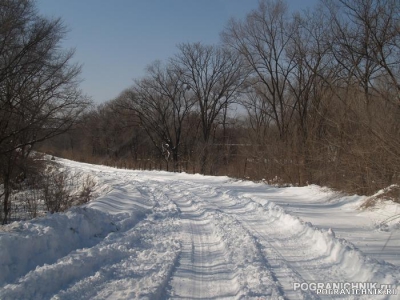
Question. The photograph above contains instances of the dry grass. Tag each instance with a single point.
(391, 193)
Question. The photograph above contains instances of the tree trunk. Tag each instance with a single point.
(175, 159)
(7, 192)
(204, 159)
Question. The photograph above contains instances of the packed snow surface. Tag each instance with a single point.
(159, 235)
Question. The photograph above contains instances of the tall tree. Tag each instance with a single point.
(262, 41)
(366, 40)
(312, 68)
(39, 95)
(162, 100)
(366, 44)
(215, 76)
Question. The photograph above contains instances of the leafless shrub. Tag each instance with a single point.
(86, 193)
(391, 193)
(55, 192)
(32, 203)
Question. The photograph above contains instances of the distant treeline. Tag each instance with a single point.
(300, 98)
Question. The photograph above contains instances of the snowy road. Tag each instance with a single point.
(158, 235)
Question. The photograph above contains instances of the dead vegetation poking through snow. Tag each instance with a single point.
(49, 190)
(391, 193)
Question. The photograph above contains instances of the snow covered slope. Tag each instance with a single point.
(159, 235)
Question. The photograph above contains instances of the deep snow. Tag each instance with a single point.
(159, 235)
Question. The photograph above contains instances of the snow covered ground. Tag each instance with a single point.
(159, 235)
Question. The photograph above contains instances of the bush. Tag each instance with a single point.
(55, 192)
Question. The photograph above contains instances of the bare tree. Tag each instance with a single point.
(259, 115)
(214, 75)
(39, 95)
(365, 44)
(262, 41)
(312, 68)
(366, 41)
(162, 101)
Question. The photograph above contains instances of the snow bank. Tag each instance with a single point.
(335, 252)
(26, 245)
(98, 251)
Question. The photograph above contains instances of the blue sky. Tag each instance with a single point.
(116, 39)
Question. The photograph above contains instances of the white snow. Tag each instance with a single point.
(159, 235)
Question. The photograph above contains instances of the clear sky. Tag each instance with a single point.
(116, 39)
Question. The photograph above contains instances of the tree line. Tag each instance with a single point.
(306, 97)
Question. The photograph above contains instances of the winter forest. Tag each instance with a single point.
(306, 97)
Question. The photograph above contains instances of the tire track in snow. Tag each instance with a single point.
(250, 215)
(202, 270)
(307, 253)
(279, 245)
(234, 267)
(280, 271)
